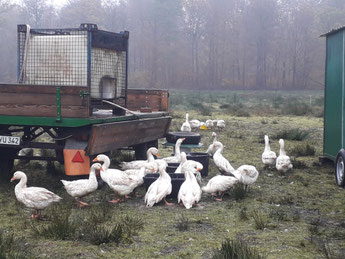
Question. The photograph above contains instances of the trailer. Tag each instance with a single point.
(72, 88)
(334, 108)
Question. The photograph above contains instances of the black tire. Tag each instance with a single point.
(340, 168)
(190, 137)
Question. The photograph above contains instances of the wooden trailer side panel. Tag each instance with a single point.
(38, 100)
(112, 136)
(154, 100)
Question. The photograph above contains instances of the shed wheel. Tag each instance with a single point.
(340, 168)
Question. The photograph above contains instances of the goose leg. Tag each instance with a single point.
(116, 201)
(82, 204)
(168, 203)
(221, 197)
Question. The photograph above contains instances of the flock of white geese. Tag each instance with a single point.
(123, 182)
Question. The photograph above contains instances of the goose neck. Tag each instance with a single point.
(22, 182)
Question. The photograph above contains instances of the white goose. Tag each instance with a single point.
(283, 162)
(36, 198)
(83, 187)
(195, 124)
(210, 149)
(183, 159)
(268, 156)
(220, 124)
(209, 123)
(160, 188)
(139, 163)
(221, 162)
(186, 125)
(246, 174)
(138, 174)
(177, 156)
(120, 182)
(219, 184)
(190, 191)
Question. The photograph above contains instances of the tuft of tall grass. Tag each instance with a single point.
(100, 234)
(12, 247)
(238, 192)
(260, 220)
(60, 227)
(292, 134)
(243, 214)
(236, 249)
(182, 223)
(303, 150)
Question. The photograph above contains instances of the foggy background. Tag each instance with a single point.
(196, 44)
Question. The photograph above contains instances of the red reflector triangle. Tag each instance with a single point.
(77, 157)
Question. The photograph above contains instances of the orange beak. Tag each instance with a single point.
(198, 169)
(101, 169)
(12, 179)
(157, 155)
(95, 160)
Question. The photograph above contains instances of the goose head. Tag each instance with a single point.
(191, 166)
(18, 175)
(103, 158)
(180, 140)
(152, 151)
(97, 167)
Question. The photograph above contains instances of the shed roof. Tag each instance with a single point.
(333, 31)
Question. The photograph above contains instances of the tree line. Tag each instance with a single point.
(196, 44)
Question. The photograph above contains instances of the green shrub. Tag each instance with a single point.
(297, 109)
(292, 134)
(303, 150)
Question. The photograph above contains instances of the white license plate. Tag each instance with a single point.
(9, 140)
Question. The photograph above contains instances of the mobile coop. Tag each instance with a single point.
(72, 87)
(334, 113)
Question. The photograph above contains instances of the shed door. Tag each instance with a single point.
(334, 95)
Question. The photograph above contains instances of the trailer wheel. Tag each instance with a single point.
(340, 168)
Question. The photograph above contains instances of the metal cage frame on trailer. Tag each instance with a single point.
(40, 64)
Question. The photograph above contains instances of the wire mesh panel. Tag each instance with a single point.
(84, 56)
(108, 73)
(49, 58)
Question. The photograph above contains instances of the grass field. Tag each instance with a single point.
(300, 214)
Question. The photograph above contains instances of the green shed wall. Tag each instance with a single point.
(334, 95)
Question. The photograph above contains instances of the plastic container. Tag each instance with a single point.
(171, 168)
(190, 137)
(202, 158)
